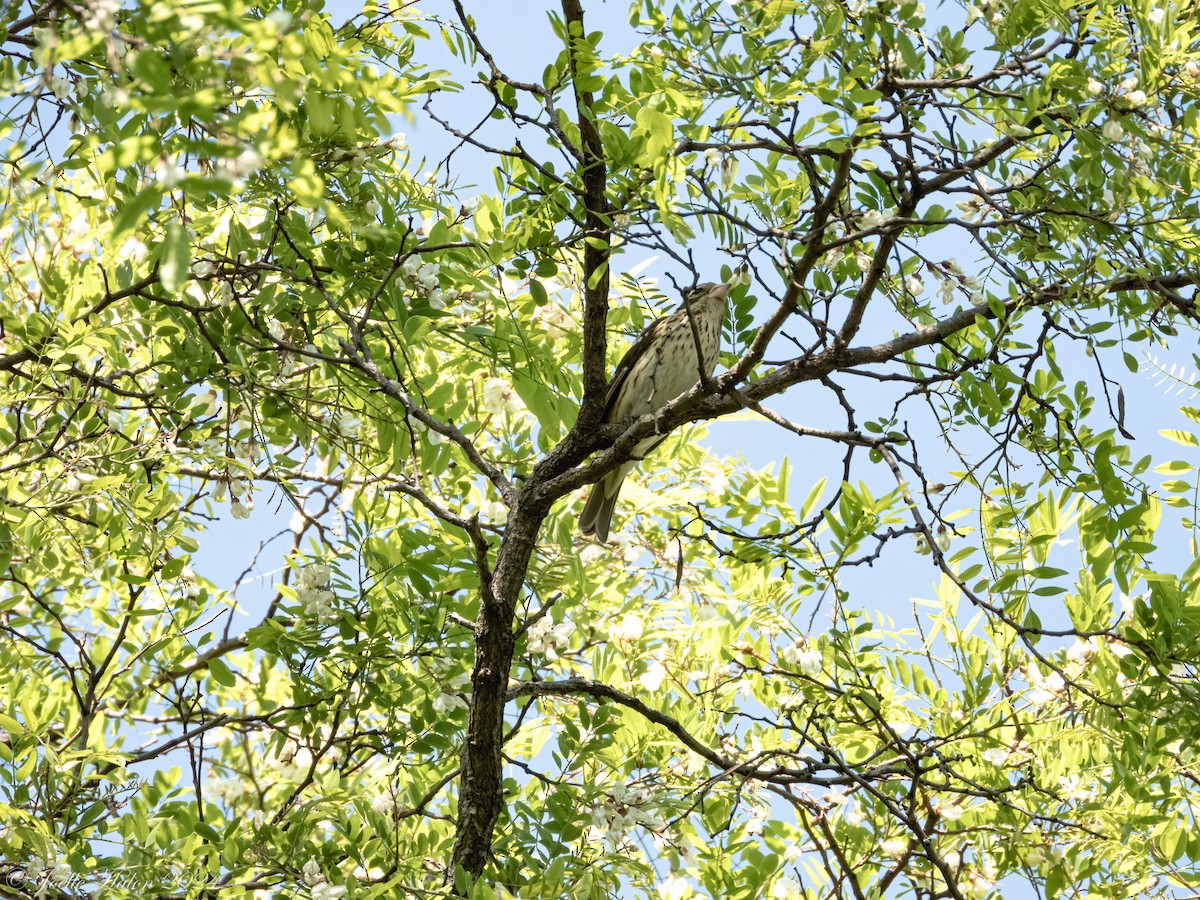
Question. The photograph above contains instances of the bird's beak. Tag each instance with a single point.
(722, 290)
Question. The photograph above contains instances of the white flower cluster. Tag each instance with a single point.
(397, 142)
(168, 172)
(49, 871)
(1112, 130)
(449, 698)
(223, 790)
(1045, 689)
(499, 397)
(238, 168)
(804, 656)
(554, 319)
(101, 15)
(318, 885)
(675, 887)
(992, 11)
(546, 638)
(630, 628)
(227, 487)
(619, 812)
(425, 279)
(294, 762)
(656, 673)
(717, 158)
(59, 87)
(346, 425)
(240, 508)
(312, 591)
(953, 278)
(996, 756)
(873, 218)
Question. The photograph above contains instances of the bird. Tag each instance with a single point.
(659, 366)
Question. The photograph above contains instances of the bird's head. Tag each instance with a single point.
(707, 292)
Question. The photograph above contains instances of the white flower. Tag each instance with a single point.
(448, 701)
(247, 162)
(318, 605)
(239, 509)
(419, 427)
(952, 812)
(384, 803)
(546, 638)
(997, 756)
(1094, 87)
(1082, 651)
(499, 397)
(914, 286)
(1047, 689)
(313, 576)
(862, 260)
(328, 892)
(674, 887)
(1129, 84)
(1112, 131)
(802, 655)
(101, 15)
(894, 847)
(132, 249)
(311, 873)
(372, 208)
(427, 275)
(78, 226)
(1136, 98)
(785, 889)
(168, 172)
(713, 156)
(202, 268)
(398, 141)
(729, 167)
(630, 628)
(280, 19)
(653, 677)
(495, 512)
(754, 824)
(1120, 650)
(556, 320)
(873, 219)
(1156, 15)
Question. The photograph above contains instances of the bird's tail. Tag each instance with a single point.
(596, 517)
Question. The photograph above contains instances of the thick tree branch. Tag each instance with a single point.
(593, 172)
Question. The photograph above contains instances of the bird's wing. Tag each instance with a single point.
(636, 351)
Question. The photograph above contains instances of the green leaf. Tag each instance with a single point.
(135, 210)
(176, 258)
(1186, 438)
(221, 673)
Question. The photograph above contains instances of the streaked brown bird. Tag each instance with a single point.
(659, 367)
